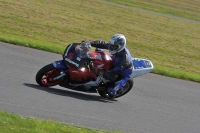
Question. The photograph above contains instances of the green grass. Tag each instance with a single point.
(182, 8)
(172, 45)
(10, 123)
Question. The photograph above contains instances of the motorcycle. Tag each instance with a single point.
(85, 79)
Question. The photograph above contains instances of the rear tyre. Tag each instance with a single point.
(124, 90)
(45, 75)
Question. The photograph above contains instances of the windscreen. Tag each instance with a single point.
(81, 52)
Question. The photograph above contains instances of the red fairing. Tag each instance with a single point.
(102, 60)
(80, 74)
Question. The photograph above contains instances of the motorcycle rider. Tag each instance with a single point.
(76, 54)
(122, 62)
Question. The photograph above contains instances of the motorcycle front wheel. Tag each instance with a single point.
(124, 90)
(45, 75)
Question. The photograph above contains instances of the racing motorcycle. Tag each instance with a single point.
(85, 78)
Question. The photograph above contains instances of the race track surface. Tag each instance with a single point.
(156, 104)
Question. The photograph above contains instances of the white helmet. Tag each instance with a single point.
(117, 43)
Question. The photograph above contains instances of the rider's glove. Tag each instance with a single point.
(98, 43)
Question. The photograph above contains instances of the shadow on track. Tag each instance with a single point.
(68, 93)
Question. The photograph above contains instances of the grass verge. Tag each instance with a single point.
(182, 8)
(10, 123)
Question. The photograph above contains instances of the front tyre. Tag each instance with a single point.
(45, 75)
(124, 90)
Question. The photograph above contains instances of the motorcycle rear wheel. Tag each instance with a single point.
(45, 75)
(124, 90)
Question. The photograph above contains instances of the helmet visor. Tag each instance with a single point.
(113, 47)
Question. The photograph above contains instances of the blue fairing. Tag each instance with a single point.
(141, 63)
(60, 65)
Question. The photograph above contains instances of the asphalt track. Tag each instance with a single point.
(156, 104)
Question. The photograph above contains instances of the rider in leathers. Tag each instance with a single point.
(122, 62)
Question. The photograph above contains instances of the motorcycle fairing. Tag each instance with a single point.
(141, 63)
(60, 65)
(141, 67)
(86, 74)
(82, 74)
(102, 60)
(76, 73)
